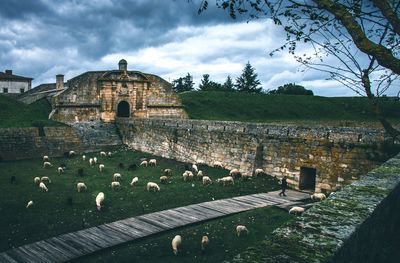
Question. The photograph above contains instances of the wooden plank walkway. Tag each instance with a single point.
(76, 244)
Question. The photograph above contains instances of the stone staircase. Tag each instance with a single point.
(97, 135)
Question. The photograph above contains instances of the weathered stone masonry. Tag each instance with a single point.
(337, 156)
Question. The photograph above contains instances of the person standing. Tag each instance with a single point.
(283, 186)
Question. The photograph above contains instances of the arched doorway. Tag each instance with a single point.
(123, 109)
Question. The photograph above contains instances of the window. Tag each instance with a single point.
(5, 90)
(21, 90)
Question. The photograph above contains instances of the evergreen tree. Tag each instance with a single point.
(228, 85)
(205, 83)
(248, 82)
(188, 82)
(183, 84)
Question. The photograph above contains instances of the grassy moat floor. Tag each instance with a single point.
(63, 210)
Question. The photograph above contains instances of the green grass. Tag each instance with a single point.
(233, 106)
(52, 215)
(17, 114)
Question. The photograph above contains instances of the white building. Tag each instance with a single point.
(14, 84)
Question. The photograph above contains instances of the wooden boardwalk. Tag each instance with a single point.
(76, 244)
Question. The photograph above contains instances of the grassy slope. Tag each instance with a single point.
(264, 108)
(17, 114)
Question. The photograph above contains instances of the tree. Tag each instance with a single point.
(248, 82)
(291, 89)
(183, 84)
(355, 41)
(228, 84)
(207, 84)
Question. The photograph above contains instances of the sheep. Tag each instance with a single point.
(99, 200)
(163, 179)
(71, 153)
(91, 161)
(235, 173)
(176, 242)
(95, 160)
(143, 163)
(225, 180)
(296, 210)
(200, 174)
(218, 164)
(168, 172)
(258, 172)
(134, 181)
(154, 186)
(194, 168)
(187, 175)
(318, 196)
(200, 162)
(83, 157)
(246, 176)
(206, 180)
(47, 164)
(204, 242)
(153, 162)
(43, 187)
(36, 180)
(240, 229)
(81, 187)
(103, 154)
(115, 185)
(45, 179)
(46, 158)
(117, 177)
(101, 167)
(109, 154)
(30, 203)
(60, 170)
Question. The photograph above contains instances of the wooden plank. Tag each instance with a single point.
(188, 218)
(21, 256)
(72, 240)
(275, 199)
(127, 230)
(268, 199)
(4, 257)
(155, 222)
(231, 207)
(220, 207)
(255, 201)
(245, 205)
(49, 253)
(172, 215)
(115, 233)
(56, 241)
(142, 225)
(243, 199)
(189, 211)
(104, 236)
(88, 241)
(171, 223)
(205, 211)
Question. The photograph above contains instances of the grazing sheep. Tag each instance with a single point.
(95, 160)
(200, 174)
(36, 180)
(296, 210)
(143, 163)
(194, 168)
(143, 159)
(46, 158)
(99, 200)
(71, 153)
(60, 170)
(47, 164)
(200, 162)
(187, 175)
(135, 180)
(153, 162)
(109, 154)
(91, 161)
(132, 167)
(103, 154)
(235, 173)
(83, 157)
(258, 172)
(225, 180)
(206, 180)
(318, 196)
(81, 187)
(204, 242)
(163, 179)
(117, 177)
(240, 229)
(45, 179)
(246, 176)
(176, 242)
(168, 172)
(101, 167)
(154, 186)
(30, 203)
(218, 164)
(115, 185)
(43, 187)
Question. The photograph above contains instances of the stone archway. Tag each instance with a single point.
(123, 109)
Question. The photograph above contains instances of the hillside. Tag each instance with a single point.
(17, 114)
(288, 108)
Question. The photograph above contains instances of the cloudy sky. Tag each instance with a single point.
(42, 38)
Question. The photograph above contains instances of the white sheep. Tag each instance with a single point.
(153, 162)
(91, 161)
(168, 172)
(95, 160)
(36, 180)
(47, 164)
(99, 200)
(200, 174)
(246, 176)
(225, 180)
(46, 158)
(176, 242)
(163, 179)
(200, 162)
(206, 180)
(81, 187)
(318, 196)
(43, 187)
(103, 154)
(115, 185)
(109, 154)
(30, 203)
(101, 167)
(258, 172)
(204, 242)
(296, 210)
(218, 164)
(194, 168)
(117, 177)
(45, 179)
(71, 153)
(235, 173)
(187, 175)
(60, 170)
(154, 186)
(143, 163)
(83, 157)
(134, 181)
(241, 229)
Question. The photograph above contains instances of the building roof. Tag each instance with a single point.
(5, 76)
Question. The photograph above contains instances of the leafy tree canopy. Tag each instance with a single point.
(291, 89)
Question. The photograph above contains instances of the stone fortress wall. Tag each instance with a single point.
(333, 156)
